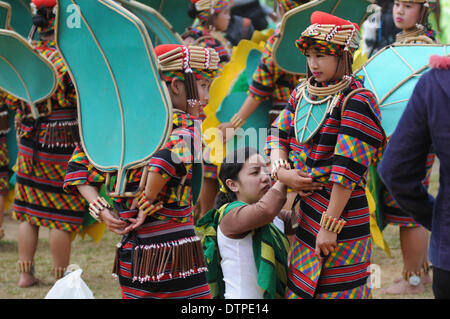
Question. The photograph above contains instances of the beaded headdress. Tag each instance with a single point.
(187, 63)
(331, 35)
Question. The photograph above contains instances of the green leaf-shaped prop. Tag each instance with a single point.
(258, 121)
(159, 29)
(175, 11)
(285, 52)
(402, 67)
(5, 15)
(20, 18)
(124, 109)
(24, 73)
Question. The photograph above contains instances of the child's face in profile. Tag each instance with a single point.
(323, 67)
(203, 96)
(221, 20)
(406, 14)
(253, 180)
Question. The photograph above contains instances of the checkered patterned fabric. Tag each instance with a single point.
(40, 198)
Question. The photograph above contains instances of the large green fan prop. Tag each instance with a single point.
(5, 15)
(19, 64)
(250, 134)
(124, 109)
(175, 11)
(20, 16)
(295, 21)
(159, 29)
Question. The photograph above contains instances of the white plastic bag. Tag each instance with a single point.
(71, 286)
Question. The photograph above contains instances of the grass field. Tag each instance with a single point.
(96, 261)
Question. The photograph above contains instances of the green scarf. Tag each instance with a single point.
(270, 249)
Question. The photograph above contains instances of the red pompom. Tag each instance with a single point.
(439, 62)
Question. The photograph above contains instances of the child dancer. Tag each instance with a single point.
(159, 256)
(412, 18)
(332, 247)
(214, 18)
(245, 252)
(45, 147)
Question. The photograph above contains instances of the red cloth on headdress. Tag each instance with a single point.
(44, 3)
(321, 17)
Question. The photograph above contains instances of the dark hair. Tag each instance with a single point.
(42, 17)
(229, 169)
(192, 11)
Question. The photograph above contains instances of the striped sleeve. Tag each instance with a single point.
(81, 172)
(358, 142)
(172, 159)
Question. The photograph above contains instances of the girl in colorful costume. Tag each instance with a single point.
(45, 147)
(160, 255)
(214, 18)
(331, 252)
(245, 252)
(411, 16)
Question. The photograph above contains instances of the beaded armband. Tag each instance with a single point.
(277, 165)
(331, 223)
(96, 206)
(237, 121)
(146, 207)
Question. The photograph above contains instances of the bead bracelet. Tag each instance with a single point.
(331, 223)
(146, 207)
(237, 121)
(97, 206)
(279, 163)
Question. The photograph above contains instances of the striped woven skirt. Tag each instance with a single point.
(393, 214)
(44, 151)
(162, 260)
(343, 273)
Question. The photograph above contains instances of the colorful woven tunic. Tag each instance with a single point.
(45, 147)
(340, 152)
(163, 258)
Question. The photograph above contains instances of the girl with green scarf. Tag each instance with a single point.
(245, 252)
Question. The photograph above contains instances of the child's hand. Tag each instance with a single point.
(326, 243)
(136, 222)
(298, 180)
(227, 130)
(113, 222)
